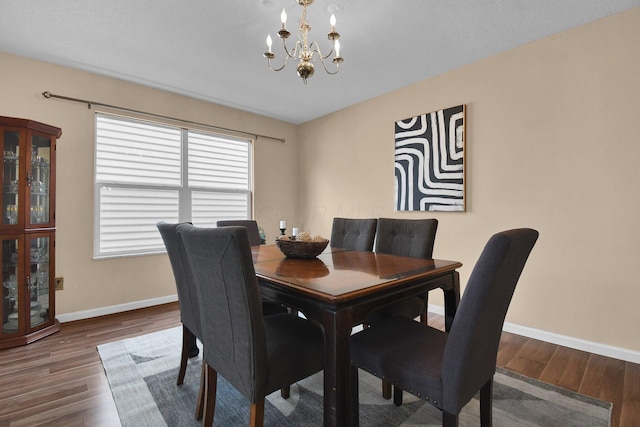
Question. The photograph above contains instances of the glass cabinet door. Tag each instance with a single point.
(10, 177)
(27, 274)
(11, 295)
(27, 162)
(39, 180)
(39, 279)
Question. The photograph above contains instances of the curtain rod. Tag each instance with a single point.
(48, 95)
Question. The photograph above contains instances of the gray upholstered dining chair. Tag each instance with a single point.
(187, 298)
(405, 237)
(249, 224)
(189, 308)
(353, 233)
(255, 354)
(411, 238)
(448, 369)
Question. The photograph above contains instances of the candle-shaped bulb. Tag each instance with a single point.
(283, 224)
(269, 41)
(283, 18)
(337, 46)
(332, 21)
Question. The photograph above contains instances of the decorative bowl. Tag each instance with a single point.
(301, 248)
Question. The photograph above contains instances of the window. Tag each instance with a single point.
(147, 172)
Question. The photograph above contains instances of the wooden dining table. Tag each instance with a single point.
(338, 289)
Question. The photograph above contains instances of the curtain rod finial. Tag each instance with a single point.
(46, 94)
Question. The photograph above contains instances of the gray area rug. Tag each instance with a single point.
(142, 373)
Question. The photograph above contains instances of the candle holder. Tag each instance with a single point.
(282, 230)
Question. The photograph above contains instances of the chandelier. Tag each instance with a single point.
(303, 50)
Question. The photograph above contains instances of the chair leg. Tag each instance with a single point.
(386, 389)
(285, 392)
(184, 355)
(355, 398)
(201, 393)
(194, 351)
(449, 420)
(211, 383)
(256, 417)
(397, 396)
(486, 404)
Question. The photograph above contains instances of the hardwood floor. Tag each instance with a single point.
(59, 380)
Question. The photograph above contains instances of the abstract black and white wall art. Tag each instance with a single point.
(429, 161)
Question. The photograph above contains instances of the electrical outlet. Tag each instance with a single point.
(58, 283)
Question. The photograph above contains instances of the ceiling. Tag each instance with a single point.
(212, 50)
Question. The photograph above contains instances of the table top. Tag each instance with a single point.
(339, 275)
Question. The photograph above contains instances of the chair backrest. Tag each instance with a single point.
(353, 233)
(406, 237)
(230, 305)
(187, 294)
(249, 224)
(470, 354)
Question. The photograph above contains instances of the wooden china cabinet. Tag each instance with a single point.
(27, 231)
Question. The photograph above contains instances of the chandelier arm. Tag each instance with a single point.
(327, 70)
(293, 53)
(277, 69)
(316, 49)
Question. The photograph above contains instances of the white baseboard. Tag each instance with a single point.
(564, 340)
(103, 311)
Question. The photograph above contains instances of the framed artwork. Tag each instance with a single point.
(429, 161)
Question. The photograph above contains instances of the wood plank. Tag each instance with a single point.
(630, 406)
(532, 358)
(604, 379)
(565, 368)
(510, 345)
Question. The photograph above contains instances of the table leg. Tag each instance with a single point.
(451, 300)
(337, 362)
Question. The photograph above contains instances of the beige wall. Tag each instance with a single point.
(552, 143)
(90, 284)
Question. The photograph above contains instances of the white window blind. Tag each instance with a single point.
(218, 163)
(147, 172)
(208, 208)
(128, 218)
(136, 152)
